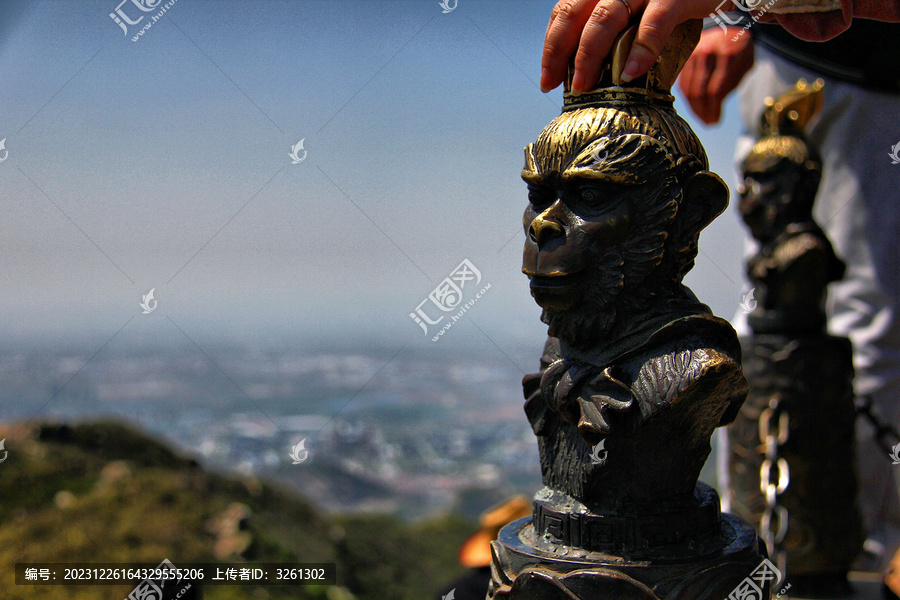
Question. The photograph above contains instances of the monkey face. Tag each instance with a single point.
(601, 240)
(756, 205)
(569, 227)
(781, 177)
(766, 197)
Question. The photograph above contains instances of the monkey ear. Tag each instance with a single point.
(529, 172)
(705, 198)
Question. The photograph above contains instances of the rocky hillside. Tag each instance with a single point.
(103, 492)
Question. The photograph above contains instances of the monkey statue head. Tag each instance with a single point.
(795, 261)
(782, 171)
(618, 191)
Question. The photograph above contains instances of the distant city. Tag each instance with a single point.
(412, 433)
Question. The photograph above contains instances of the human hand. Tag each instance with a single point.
(714, 69)
(591, 27)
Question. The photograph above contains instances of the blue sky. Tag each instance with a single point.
(164, 163)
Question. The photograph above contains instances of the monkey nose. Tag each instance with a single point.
(543, 231)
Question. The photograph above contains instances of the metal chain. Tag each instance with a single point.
(775, 475)
(882, 429)
(774, 478)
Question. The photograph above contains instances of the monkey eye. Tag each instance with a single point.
(590, 197)
(594, 198)
(761, 184)
(597, 197)
(540, 197)
(749, 185)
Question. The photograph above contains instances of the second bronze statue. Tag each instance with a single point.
(792, 445)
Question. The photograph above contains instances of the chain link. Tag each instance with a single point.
(774, 478)
(775, 475)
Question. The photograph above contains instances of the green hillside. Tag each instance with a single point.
(103, 492)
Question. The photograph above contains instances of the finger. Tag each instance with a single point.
(714, 111)
(684, 79)
(606, 21)
(563, 32)
(730, 71)
(685, 82)
(657, 24)
(725, 78)
(706, 66)
(721, 82)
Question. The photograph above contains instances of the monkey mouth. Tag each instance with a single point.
(554, 282)
(556, 292)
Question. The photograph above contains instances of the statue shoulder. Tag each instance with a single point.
(681, 361)
(694, 358)
(801, 244)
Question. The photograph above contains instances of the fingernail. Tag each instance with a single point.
(577, 84)
(630, 71)
(545, 77)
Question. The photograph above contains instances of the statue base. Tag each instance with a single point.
(810, 380)
(526, 566)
